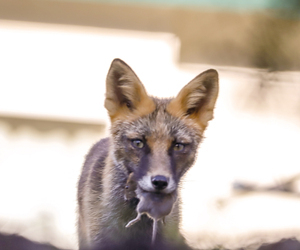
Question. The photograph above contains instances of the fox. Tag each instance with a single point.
(153, 139)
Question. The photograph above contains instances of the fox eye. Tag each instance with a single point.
(178, 147)
(138, 143)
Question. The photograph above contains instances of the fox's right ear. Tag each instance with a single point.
(125, 94)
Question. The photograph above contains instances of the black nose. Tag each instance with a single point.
(159, 182)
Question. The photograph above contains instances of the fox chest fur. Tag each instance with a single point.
(154, 139)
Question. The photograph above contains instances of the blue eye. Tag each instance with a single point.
(179, 147)
(137, 143)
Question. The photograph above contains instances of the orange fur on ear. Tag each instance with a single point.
(197, 99)
(125, 94)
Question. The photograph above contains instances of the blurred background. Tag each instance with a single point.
(54, 55)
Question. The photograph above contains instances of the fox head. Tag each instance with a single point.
(157, 139)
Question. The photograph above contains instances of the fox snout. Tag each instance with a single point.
(159, 182)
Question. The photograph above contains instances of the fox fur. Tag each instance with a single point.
(157, 140)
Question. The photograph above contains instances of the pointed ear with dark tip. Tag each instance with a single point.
(197, 99)
(125, 94)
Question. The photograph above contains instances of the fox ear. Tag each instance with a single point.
(197, 99)
(125, 94)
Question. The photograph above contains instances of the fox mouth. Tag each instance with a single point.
(154, 195)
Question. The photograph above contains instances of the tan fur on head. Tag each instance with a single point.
(197, 99)
(126, 96)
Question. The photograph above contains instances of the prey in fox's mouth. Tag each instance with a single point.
(156, 205)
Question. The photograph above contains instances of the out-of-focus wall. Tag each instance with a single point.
(40, 161)
(218, 33)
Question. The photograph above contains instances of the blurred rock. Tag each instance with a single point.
(16, 242)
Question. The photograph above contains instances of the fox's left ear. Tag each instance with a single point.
(197, 99)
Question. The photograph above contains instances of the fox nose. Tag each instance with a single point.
(159, 182)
